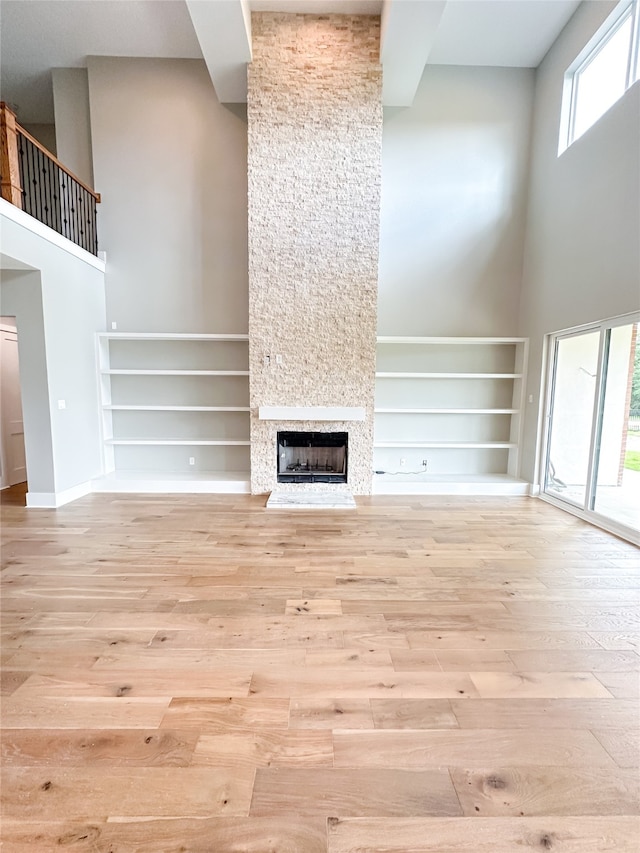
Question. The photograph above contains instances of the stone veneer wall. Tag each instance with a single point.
(315, 138)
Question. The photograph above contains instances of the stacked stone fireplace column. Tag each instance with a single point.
(315, 135)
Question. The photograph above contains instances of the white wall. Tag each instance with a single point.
(454, 173)
(582, 262)
(44, 133)
(73, 128)
(171, 164)
(59, 306)
(21, 295)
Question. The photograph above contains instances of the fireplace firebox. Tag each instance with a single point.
(312, 457)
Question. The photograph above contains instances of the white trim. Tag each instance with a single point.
(131, 372)
(451, 444)
(403, 375)
(447, 411)
(41, 230)
(122, 408)
(180, 442)
(454, 341)
(52, 500)
(311, 413)
(169, 336)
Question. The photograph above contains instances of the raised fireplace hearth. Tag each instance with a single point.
(312, 457)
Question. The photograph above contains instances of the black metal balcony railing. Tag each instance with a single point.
(36, 181)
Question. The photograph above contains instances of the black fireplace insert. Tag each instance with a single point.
(312, 457)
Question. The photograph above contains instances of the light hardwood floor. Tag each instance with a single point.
(433, 675)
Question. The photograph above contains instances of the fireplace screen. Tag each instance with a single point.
(312, 457)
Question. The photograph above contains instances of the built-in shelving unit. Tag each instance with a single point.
(175, 412)
(461, 399)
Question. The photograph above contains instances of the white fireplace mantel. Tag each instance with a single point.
(311, 413)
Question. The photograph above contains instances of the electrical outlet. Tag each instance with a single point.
(192, 460)
(403, 462)
(114, 326)
(424, 463)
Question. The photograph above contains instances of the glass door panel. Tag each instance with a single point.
(574, 387)
(617, 468)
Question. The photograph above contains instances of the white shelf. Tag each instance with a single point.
(156, 336)
(122, 408)
(451, 444)
(446, 411)
(385, 375)
(186, 442)
(128, 372)
(448, 340)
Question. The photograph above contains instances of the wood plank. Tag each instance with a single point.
(623, 685)
(113, 747)
(37, 712)
(377, 681)
(45, 793)
(474, 660)
(353, 793)
(516, 791)
(572, 661)
(618, 639)
(413, 714)
(468, 747)
(223, 715)
(491, 835)
(515, 639)
(265, 749)
(199, 835)
(546, 713)
(623, 745)
(140, 683)
(538, 685)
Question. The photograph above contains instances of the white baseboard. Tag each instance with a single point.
(481, 485)
(52, 500)
(156, 486)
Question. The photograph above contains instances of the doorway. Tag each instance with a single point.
(592, 461)
(12, 451)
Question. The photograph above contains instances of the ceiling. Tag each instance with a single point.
(38, 35)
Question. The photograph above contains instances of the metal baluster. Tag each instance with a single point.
(40, 185)
(57, 219)
(46, 179)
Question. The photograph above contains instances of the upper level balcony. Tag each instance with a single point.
(34, 180)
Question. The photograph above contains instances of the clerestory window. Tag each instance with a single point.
(601, 73)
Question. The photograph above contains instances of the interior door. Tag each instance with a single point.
(14, 469)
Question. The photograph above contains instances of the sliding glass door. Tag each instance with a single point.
(593, 438)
